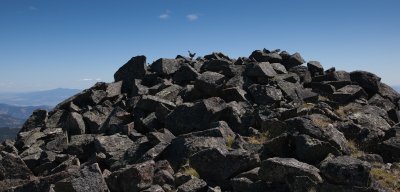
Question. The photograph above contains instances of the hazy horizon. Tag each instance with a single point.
(73, 44)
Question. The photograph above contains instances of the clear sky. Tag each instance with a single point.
(46, 44)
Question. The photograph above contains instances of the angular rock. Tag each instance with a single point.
(348, 93)
(116, 121)
(281, 169)
(222, 66)
(209, 83)
(165, 67)
(302, 72)
(215, 165)
(113, 146)
(346, 170)
(89, 179)
(57, 119)
(262, 72)
(262, 56)
(390, 149)
(185, 75)
(75, 124)
(185, 118)
(135, 68)
(279, 68)
(12, 167)
(182, 148)
(368, 81)
(37, 119)
(149, 103)
(315, 68)
(265, 94)
(292, 60)
(132, 178)
(193, 185)
(114, 89)
(233, 94)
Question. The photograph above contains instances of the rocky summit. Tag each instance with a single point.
(267, 122)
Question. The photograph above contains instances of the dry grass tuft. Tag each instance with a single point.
(346, 110)
(321, 122)
(354, 149)
(229, 141)
(259, 139)
(191, 171)
(386, 178)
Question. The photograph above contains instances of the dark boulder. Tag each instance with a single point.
(368, 81)
(209, 83)
(261, 72)
(279, 68)
(185, 118)
(302, 72)
(12, 167)
(88, 179)
(292, 60)
(346, 170)
(349, 93)
(185, 74)
(75, 124)
(135, 68)
(315, 68)
(165, 67)
(132, 178)
(262, 56)
(288, 170)
(193, 185)
(390, 149)
(265, 94)
(216, 166)
(37, 119)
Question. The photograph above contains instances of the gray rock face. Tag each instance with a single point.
(264, 94)
(346, 170)
(133, 178)
(75, 124)
(209, 83)
(214, 123)
(349, 93)
(283, 169)
(185, 74)
(217, 165)
(88, 179)
(12, 167)
(390, 149)
(368, 81)
(195, 185)
(315, 68)
(134, 69)
(260, 71)
(37, 119)
(185, 118)
(165, 66)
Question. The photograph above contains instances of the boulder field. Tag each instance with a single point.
(267, 122)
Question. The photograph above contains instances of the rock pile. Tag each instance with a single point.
(263, 123)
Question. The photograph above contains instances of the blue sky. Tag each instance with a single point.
(46, 44)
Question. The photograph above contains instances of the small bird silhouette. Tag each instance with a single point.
(191, 55)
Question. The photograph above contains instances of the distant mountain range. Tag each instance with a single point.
(8, 133)
(15, 108)
(20, 112)
(9, 121)
(37, 98)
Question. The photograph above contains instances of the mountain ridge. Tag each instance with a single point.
(37, 98)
